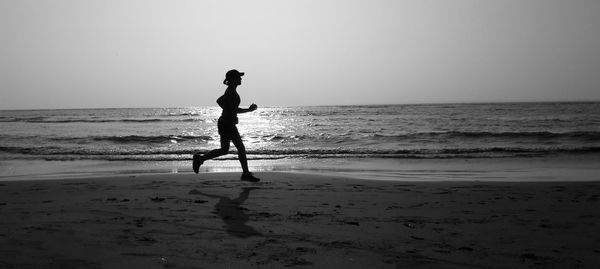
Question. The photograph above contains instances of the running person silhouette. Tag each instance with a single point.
(228, 131)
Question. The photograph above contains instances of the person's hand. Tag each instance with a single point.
(253, 107)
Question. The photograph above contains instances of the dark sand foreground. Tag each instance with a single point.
(296, 220)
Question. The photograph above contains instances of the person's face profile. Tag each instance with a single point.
(238, 81)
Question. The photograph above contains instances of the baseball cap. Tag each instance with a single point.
(233, 73)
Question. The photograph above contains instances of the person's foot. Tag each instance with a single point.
(197, 162)
(249, 177)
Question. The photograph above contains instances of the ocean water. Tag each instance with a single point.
(498, 141)
(436, 131)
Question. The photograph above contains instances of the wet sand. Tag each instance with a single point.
(213, 220)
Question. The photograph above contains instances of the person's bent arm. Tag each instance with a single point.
(249, 109)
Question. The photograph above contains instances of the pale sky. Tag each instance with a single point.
(148, 53)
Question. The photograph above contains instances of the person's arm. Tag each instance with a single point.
(249, 109)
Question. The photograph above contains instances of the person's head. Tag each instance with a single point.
(233, 77)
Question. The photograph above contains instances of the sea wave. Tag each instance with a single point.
(88, 120)
(174, 114)
(58, 153)
(587, 135)
(134, 139)
(350, 138)
(150, 139)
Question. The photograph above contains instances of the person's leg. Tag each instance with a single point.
(218, 152)
(237, 141)
(225, 134)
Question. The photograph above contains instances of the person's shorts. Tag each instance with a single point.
(227, 128)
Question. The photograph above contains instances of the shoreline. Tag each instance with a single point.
(581, 167)
(214, 220)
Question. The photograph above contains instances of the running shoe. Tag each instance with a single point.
(249, 177)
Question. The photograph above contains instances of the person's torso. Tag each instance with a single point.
(230, 103)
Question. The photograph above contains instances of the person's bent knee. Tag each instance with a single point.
(223, 151)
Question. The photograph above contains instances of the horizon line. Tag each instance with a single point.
(330, 105)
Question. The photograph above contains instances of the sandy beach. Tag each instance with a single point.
(213, 220)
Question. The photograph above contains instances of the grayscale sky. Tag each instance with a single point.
(147, 53)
